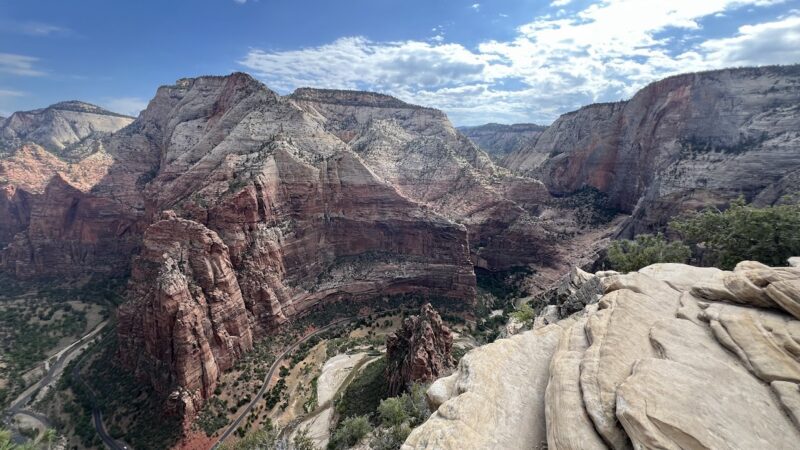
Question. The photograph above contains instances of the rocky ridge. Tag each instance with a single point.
(500, 140)
(650, 362)
(58, 126)
(684, 142)
(420, 351)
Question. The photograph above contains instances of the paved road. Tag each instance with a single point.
(55, 368)
(269, 375)
(97, 415)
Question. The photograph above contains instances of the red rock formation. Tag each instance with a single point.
(419, 351)
(186, 319)
(682, 143)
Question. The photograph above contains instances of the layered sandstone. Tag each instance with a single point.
(294, 218)
(671, 357)
(419, 152)
(685, 142)
(419, 352)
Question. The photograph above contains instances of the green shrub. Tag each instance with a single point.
(525, 313)
(390, 438)
(392, 411)
(352, 430)
(768, 235)
(627, 256)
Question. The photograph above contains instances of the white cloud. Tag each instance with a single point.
(10, 93)
(559, 3)
(766, 43)
(604, 52)
(19, 65)
(130, 106)
(476, 6)
(33, 28)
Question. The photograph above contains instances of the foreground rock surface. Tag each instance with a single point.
(669, 357)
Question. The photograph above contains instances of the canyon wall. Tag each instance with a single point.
(681, 143)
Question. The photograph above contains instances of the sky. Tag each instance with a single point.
(506, 61)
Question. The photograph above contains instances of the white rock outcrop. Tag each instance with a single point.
(670, 357)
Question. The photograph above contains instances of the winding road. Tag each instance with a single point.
(97, 415)
(275, 365)
(55, 366)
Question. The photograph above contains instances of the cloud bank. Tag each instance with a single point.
(554, 64)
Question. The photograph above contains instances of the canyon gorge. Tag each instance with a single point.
(232, 211)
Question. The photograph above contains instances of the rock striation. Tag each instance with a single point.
(420, 351)
(270, 215)
(682, 143)
(650, 362)
(419, 152)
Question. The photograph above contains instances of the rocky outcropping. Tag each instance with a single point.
(669, 357)
(499, 140)
(420, 351)
(185, 293)
(682, 143)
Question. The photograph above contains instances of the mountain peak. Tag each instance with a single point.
(79, 106)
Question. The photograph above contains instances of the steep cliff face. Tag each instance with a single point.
(671, 356)
(420, 153)
(50, 222)
(285, 214)
(500, 140)
(186, 316)
(680, 143)
(420, 351)
(277, 204)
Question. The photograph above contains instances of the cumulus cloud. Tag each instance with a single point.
(765, 43)
(130, 106)
(21, 65)
(603, 52)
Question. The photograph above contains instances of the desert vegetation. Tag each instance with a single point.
(719, 238)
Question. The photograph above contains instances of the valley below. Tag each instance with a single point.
(240, 269)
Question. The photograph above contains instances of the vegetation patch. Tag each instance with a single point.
(365, 392)
(717, 238)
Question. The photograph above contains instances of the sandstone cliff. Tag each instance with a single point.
(420, 351)
(684, 142)
(285, 215)
(419, 152)
(669, 357)
(500, 140)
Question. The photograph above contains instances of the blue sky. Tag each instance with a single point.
(491, 61)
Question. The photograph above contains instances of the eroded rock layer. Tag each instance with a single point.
(670, 357)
